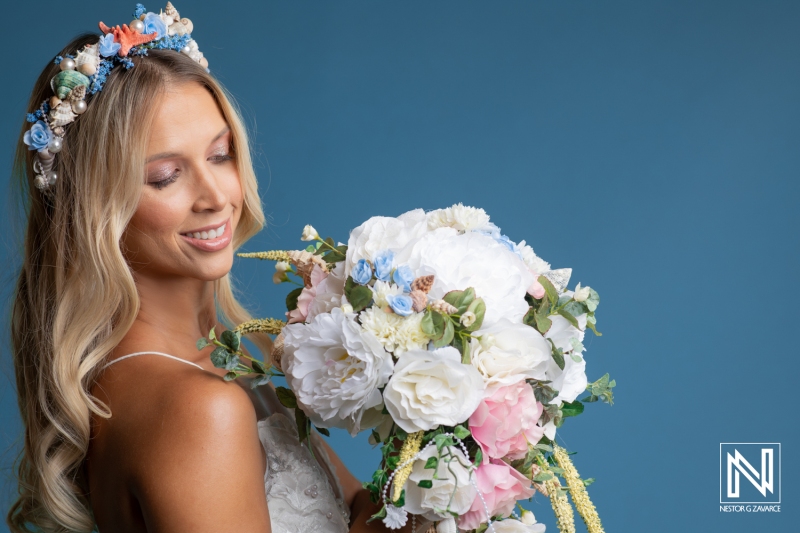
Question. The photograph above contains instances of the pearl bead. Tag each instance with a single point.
(137, 26)
(67, 64)
(79, 107)
(55, 145)
(186, 49)
(51, 178)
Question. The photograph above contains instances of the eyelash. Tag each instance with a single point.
(160, 184)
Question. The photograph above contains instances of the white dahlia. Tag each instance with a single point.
(335, 369)
(460, 217)
(533, 261)
(382, 290)
(382, 325)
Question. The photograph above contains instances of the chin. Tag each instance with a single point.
(212, 271)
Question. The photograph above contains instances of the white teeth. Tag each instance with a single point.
(211, 234)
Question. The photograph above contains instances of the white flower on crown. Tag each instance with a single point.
(508, 352)
(460, 217)
(335, 369)
(384, 233)
(472, 259)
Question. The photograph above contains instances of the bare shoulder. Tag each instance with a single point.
(189, 442)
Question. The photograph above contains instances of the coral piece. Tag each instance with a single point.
(127, 38)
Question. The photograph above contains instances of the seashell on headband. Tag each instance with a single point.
(85, 73)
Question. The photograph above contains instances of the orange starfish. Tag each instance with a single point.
(126, 37)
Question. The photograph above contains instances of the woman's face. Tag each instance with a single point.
(192, 197)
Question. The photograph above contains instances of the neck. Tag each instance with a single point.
(174, 312)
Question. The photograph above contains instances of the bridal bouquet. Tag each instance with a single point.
(458, 349)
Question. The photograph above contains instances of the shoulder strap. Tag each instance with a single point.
(154, 353)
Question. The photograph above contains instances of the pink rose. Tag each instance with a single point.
(505, 422)
(307, 296)
(536, 289)
(501, 487)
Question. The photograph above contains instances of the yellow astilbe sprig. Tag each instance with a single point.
(273, 326)
(565, 518)
(410, 448)
(272, 255)
(577, 489)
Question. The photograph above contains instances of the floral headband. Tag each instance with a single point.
(85, 73)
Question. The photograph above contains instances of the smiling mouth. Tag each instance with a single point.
(207, 235)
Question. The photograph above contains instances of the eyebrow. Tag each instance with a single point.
(165, 155)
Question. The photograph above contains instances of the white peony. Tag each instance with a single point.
(451, 490)
(432, 388)
(335, 369)
(459, 261)
(382, 290)
(571, 381)
(460, 217)
(508, 352)
(329, 293)
(384, 233)
(533, 261)
(510, 525)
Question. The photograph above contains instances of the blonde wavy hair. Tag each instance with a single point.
(76, 298)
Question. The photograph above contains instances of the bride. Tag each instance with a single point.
(135, 207)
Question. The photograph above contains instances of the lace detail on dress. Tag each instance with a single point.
(300, 495)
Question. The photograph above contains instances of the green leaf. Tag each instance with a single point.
(588, 481)
(286, 397)
(571, 319)
(542, 476)
(552, 294)
(219, 357)
(478, 306)
(575, 357)
(230, 376)
(400, 433)
(571, 408)
(392, 461)
(543, 324)
(291, 299)
(478, 456)
(230, 339)
(302, 424)
(212, 335)
(401, 501)
(379, 515)
(333, 257)
(590, 323)
(447, 336)
(601, 390)
(543, 447)
(323, 431)
(575, 308)
(442, 440)
(460, 299)
(232, 362)
(461, 432)
(259, 380)
(259, 367)
(466, 357)
(202, 343)
(558, 355)
(431, 463)
(530, 317)
(360, 297)
(425, 484)
(433, 324)
(593, 300)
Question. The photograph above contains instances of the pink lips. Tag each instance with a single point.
(211, 245)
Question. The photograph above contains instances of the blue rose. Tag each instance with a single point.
(362, 272)
(403, 276)
(38, 137)
(383, 265)
(402, 304)
(107, 46)
(154, 24)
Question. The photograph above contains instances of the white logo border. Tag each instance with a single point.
(780, 476)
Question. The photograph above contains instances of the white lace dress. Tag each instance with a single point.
(303, 493)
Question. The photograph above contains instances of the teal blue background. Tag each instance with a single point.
(651, 146)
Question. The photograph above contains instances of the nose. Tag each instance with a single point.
(211, 195)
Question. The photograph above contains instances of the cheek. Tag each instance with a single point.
(155, 218)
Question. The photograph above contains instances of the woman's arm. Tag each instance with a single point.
(205, 465)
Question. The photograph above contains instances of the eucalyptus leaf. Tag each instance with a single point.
(202, 343)
(575, 357)
(575, 308)
(259, 380)
(360, 297)
(291, 299)
(232, 362)
(593, 300)
(588, 481)
(433, 324)
(230, 376)
(571, 319)
(259, 367)
(460, 299)
(542, 476)
(558, 355)
(212, 335)
(447, 336)
(230, 339)
(219, 357)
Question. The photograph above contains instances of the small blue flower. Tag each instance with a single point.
(107, 46)
(154, 24)
(383, 265)
(402, 304)
(139, 11)
(38, 137)
(362, 272)
(403, 276)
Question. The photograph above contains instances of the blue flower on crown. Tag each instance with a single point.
(139, 11)
(154, 24)
(107, 46)
(38, 137)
